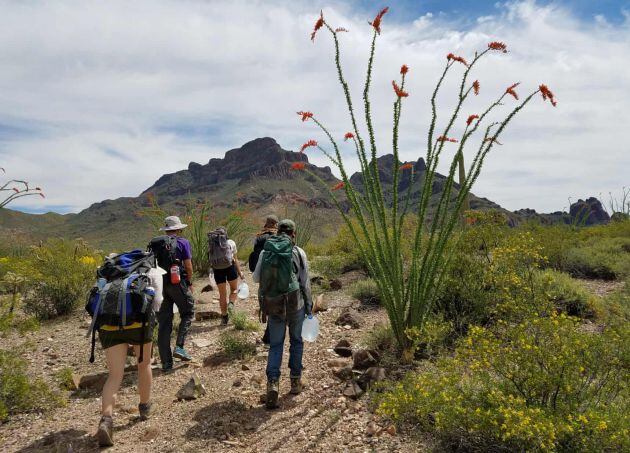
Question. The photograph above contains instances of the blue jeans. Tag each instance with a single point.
(277, 331)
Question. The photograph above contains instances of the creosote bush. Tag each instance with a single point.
(236, 344)
(241, 321)
(366, 291)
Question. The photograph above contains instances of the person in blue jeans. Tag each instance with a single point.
(297, 305)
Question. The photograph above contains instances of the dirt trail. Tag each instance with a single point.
(229, 417)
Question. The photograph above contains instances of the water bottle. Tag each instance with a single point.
(243, 291)
(310, 328)
(101, 283)
(175, 275)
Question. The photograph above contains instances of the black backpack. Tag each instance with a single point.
(164, 248)
(220, 253)
(121, 296)
(259, 245)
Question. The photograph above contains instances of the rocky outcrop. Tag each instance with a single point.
(588, 212)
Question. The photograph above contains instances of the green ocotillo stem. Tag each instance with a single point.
(462, 181)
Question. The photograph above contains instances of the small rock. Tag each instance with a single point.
(343, 348)
(257, 379)
(391, 430)
(364, 359)
(192, 390)
(371, 375)
(353, 390)
(336, 284)
(350, 317)
(206, 315)
(244, 367)
(237, 383)
(337, 363)
(343, 373)
(151, 434)
(201, 342)
(93, 381)
(320, 304)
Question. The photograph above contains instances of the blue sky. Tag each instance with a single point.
(92, 92)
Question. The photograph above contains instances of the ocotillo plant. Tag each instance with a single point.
(17, 189)
(409, 286)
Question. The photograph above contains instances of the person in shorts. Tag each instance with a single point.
(227, 280)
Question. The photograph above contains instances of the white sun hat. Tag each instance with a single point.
(172, 223)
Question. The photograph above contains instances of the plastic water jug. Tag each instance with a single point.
(310, 328)
(243, 291)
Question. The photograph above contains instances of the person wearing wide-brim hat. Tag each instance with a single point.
(179, 294)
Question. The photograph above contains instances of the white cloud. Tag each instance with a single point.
(136, 78)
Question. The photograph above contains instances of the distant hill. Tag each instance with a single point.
(256, 177)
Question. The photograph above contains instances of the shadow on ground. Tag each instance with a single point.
(62, 441)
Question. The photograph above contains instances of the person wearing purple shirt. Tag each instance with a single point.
(176, 294)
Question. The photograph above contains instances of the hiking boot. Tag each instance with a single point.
(145, 410)
(167, 367)
(105, 432)
(296, 385)
(181, 353)
(224, 320)
(273, 388)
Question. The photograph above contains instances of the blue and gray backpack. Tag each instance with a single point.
(122, 294)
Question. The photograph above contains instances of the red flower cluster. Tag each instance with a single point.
(15, 190)
(339, 185)
(307, 145)
(404, 69)
(496, 45)
(452, 56)
(348, 136)
(376, 23)
(476, 87)
(471, 118)
(340, 29)
(319, 24)
(399, 92)
(305, 115)
(547, 94)
(511, 92)
(407, 166)
(444, 138)
(298, 166)
(493, 140)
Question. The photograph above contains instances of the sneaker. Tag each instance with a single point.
(296, 385)
(273, 388)
(167, 367)
(181, 353)
(105, 432)
(224, 320)
(230, 307)
(145, 410)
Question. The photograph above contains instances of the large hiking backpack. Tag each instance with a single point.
(220, 253)
(164, 249)
(123, 294)
(278, 276)
(259, 245)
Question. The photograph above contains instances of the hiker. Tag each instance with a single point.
(285, 289)
(269, 229)
(130, 277)
(174, 255)
(226, 269)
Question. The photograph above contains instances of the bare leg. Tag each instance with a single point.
(145, 377)
(233, 288)
(223, 289)
(116, 357)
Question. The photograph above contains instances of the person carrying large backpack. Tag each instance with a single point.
(269, 229)
(174, 255)
(285, 289)
(122, 305)
(226, 268)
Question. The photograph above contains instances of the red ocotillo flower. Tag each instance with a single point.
(471, 118)
(340, 29)
(348, 136)
(307, 145)
(399, 92)
(511, 92)
(305, 115)
(37, 188)
(452, 56)
(444, 138)
(339, 185)
(407, 166)
(15, 190)
(476, 87)
(404, 69)
(496, 45)
(493, 140)
(547, 94)
(41, 194)
(319, 24)
(298, 166)
(376, 23)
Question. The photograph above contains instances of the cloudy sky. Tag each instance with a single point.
(99, 99)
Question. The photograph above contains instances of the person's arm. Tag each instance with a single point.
(305, 283)
(189, 270)
(236, 260)
(256, 274)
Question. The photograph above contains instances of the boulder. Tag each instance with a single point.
(343, 373)
(336, 284)
(364, 359)
(343, 348)
(93, 381)
(320, 304)
(337, 363)
(588, 212)
(206, 315)
(371, 376)
(192, 390)
(353, 391)
(350, 317)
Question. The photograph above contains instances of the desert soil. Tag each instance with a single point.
(229, 417)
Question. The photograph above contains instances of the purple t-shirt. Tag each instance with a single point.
(183, 252)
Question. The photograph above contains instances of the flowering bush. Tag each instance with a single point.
(409, 286)
(542, 384)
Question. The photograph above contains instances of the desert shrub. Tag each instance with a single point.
(554, 240)
(542, 384)
(434, 338)
(380, 338)
(241, 321)
(333, 265)
(366, 291)
(60, 275)
(599, 257)
(236, 344)
(18, 392)
(568, 295)
(64, 378)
